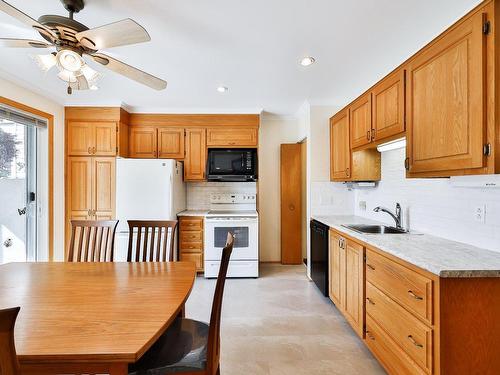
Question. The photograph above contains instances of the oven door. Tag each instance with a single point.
(246, 237)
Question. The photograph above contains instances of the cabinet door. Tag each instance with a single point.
(196, 155)
(337, 271)
(388, 106)
(340, 152)
(103, 187)
(80, 138)
(445, 101)
(171, 143)
(105, 138)
(79, 185)
(142, 142)
(361, 121)
(354, 302)
(227, 137)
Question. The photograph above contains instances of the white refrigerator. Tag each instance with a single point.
(146, 189)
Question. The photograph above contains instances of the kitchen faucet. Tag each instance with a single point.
(396, 216)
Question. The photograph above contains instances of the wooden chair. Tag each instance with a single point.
(152, 238)
(9, 365)
(188, 346)
(92, 240)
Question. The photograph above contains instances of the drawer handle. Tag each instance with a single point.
(370, 266)
(414, 342)
(370, 301)
(410, 292)
(369, 335)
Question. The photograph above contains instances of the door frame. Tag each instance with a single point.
(50, 175)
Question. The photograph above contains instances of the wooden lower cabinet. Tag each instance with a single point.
(347, 279)
(191, 240)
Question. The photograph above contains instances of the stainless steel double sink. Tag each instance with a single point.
(375, 229)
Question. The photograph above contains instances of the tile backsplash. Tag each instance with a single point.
(198, 193)
(433, 206)
(331, 198)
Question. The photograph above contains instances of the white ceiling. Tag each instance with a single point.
(252, 47)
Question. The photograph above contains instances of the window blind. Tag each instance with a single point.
(14, 115)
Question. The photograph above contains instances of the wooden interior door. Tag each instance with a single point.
(291, 203)
(340, 150)
(103, 187)
(445, 101)
(80, 138)
(337, 271)
(143, 142)
(388, 98)
(196, 154)
(171, 143)
(354, 276)
(361, 121)
(105, 138)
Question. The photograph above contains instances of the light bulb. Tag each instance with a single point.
(69, 60)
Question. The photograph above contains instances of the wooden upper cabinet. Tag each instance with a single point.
(340, 152)
(196, 154)
(388, 106)
(80, 138)
(105, 134)
(445, 101)
(171, 143)
(229, 137)
(142, 142)
(354, 275)
(361, 121)
(91, 138)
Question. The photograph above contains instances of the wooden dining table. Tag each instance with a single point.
(91, 318)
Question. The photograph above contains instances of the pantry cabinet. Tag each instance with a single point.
(91, 138)
(446, 101)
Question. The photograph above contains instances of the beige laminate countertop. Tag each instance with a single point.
(437, 255)
(193, 213)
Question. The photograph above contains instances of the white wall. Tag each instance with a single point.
(434, 206)
(274, 130)
(23, 95)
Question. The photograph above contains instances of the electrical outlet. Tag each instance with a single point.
(480, 213)
(362, 205)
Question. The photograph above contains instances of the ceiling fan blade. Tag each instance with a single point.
(24, 18)
(115, 34)
(130, 72)
(23, 43)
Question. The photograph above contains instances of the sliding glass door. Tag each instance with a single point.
(18, 187)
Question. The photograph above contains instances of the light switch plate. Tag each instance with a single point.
(362, 205)
(480, 213)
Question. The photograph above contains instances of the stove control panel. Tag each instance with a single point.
(233, 198)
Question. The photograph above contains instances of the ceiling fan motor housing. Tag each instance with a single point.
(73, 6)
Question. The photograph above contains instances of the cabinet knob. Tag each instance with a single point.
(369, 335)
(370, 266)
(368, 135)
(347, 172)
(89, 150)
(370, 301)
(373, 134)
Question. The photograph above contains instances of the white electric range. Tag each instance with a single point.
(235, 213)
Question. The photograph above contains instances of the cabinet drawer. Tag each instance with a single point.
(191, 247)
(196, 258)
(407, 331)
(191, 224)
(407, 287)
(191, 236)
(393, 358)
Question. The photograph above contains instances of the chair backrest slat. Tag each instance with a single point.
(149, 240)
(96, 239)
(9, 364)
(213, 349)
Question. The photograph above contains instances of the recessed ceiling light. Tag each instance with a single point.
(222, 89)
(308, 60)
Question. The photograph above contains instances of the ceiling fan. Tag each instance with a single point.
(73, 41)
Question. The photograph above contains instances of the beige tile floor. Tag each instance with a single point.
(281, 324)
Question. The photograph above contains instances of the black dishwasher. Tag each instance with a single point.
(319, 255)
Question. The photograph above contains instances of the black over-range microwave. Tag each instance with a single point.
(232, 164)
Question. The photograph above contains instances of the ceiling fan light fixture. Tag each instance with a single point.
(90, 74)
(69, 60)
(67, 76)
(45, 62)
